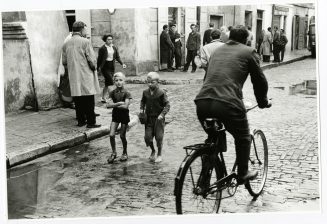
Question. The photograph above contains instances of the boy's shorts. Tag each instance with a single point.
(120, 116)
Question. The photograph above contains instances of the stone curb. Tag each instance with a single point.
(200, 80)
(42, 149)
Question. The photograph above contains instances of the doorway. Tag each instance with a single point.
(259, 27)
(218, 21)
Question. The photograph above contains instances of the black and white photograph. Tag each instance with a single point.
(163, 110)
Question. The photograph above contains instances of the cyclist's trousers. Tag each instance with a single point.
(235, 122)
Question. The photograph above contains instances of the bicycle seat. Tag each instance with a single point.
(213, 125)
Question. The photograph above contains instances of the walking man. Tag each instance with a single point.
(79, 58)
(193, 48)
(207, 34)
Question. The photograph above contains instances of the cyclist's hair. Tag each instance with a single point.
(239, 34)
(119, 74)
(153, 76)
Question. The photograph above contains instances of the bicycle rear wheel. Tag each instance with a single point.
(258, 162)
(188, 199)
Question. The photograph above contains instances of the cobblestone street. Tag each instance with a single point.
(79, 183)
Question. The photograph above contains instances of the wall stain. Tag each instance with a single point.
(12, 91)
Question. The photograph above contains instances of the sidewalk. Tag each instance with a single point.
(180, 78)
(32, 134)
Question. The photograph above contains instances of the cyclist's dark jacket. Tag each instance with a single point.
(228, 69)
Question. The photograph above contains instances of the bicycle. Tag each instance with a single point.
(202, 176)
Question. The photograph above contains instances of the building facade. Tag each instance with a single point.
(32, 41)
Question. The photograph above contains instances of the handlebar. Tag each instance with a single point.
(268, 106)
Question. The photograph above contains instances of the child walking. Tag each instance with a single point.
(121, 99)
(156, 105)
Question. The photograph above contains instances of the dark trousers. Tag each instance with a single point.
(190, 58)
(84, 106)
(235, 122)
(170, 59)
(266, 58)
(178, 57)
(276, 51)
(282, 51)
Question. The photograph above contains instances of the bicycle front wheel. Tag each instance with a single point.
(258, 162)
(195, 174)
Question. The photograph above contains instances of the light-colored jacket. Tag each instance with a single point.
(207, 51)
(79, 57)
(266, 42)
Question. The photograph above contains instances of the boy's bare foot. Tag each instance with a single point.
(158, 159)
(152, 157)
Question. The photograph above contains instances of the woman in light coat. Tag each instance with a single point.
(265, 46)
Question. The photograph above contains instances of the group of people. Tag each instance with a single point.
(274, 42)
(81, 67)
(227, 67)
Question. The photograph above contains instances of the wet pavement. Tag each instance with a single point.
(79, 183)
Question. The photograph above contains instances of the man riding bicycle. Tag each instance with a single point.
(221, 94)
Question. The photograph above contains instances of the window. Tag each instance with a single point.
(248, 18)
(172, 15)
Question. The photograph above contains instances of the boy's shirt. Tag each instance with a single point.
(119, 95)
(155, 104)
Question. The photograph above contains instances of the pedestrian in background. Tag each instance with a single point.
(178, 50)
(265, 48)
(172, 35)
(207, 50)
(121, 99)
(224, 36)
(166, 49)
(79, 58)
(250, 37)
(207, 34)
(107, 56)
(193, 45)
(283, 42)
(276, 44)
(155, 105)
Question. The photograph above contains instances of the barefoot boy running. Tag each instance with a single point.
(121, 99)
(156, 105)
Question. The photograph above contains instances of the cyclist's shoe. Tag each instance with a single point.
(250, 175)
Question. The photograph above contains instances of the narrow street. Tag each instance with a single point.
(78, 182)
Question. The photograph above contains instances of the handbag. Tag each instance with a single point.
(142, 117)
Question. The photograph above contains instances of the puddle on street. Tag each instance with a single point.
(33, 187)
(27, 190)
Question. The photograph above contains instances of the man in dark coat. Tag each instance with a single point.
(276, 44)
(178, 50)
(172, 33)
(221, 94)
(193, 48)
(166, 49)
(207, 34)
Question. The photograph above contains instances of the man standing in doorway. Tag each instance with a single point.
(166, 49)
(193, 48)
(172, 33)
(79, 58)
(207, 34)
(283, 42)
(276, 44)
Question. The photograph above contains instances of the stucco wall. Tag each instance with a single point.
(18, 91)
(46, 31)
(122, 25)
